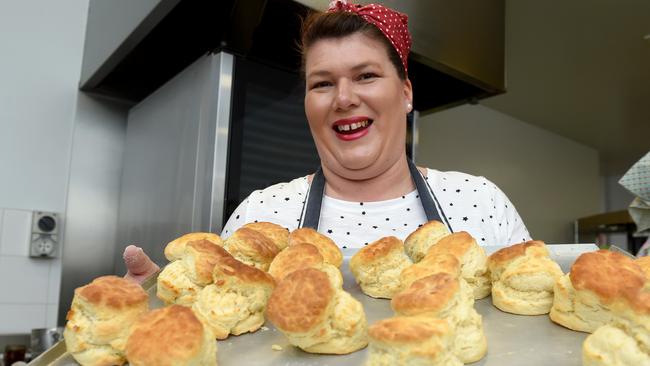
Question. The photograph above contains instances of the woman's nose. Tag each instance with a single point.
(345, 95)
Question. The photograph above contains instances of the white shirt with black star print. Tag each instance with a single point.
(472, 204)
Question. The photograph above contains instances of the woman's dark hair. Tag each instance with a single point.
(317, 26)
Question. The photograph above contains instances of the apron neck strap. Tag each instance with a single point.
(311, 211)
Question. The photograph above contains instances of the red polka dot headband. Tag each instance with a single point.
(393, 24)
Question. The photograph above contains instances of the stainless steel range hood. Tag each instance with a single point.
(458, 46)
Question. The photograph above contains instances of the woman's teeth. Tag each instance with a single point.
(353, 126)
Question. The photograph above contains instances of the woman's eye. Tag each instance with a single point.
(320, 84)
(367, 75)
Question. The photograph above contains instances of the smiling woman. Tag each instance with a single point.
(357, 96)
(356, 101)
(356, 106)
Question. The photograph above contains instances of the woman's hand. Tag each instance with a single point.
(138, 264)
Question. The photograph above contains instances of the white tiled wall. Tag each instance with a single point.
(29, 287)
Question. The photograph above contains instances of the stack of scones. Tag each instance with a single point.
(309, 305)
(214, 288)
(432, 299)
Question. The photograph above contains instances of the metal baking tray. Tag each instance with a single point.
(512, 339)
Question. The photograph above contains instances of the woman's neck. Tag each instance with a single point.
(392, 183)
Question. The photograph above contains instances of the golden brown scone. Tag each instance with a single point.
(438, 294)
(448, 297)
(326, 246)
(377, 267)
(278, 234)
(171, 336)
(584, 296)
(100, 320)
(523, 276)
(473, 261)
(175, 249)
(299, 256)
(429, 265)
(526, 287)
(252, 247)
(418, 243)
(626, 339)
(295, 257)
(499, 260)
(235, 302)
(403, 341)
(181, 280)
(644, 263)
(612, 346)
(315, 316)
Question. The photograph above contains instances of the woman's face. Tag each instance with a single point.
(356, 105)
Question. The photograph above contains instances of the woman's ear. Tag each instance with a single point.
(408, 95)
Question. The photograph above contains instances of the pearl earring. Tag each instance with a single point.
(409, 106)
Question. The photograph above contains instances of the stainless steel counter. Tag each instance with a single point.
(512, 339)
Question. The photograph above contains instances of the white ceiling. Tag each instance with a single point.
(581, 69)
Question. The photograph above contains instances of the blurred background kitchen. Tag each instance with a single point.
(135, 121)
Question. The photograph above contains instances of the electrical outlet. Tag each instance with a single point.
(45, 229)
(43, 246)
(45, 222)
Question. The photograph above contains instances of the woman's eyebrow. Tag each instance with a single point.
(318, 73)
(364, 65)
(357, 67)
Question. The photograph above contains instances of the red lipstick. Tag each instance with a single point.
(352, 128)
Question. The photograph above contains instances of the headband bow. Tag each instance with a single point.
(393, 24)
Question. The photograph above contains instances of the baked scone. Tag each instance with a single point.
(377, 267)
(315, 316)
(181, 280)
(299, 256)
(278, 234)
(171, 336)
(448, 297)
(100, 320)
(499, 260)
(429, 265)
(326, 246)
(175, 249)
(252, 247)
(235, 302)
(626, 340)
(523, 276)
(418, 242)
(473, 261)
(405, 340)
(584, 296)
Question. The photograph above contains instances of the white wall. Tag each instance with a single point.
(29, 294)
(41, 44)
(550, 179)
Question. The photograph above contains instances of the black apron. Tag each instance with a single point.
(310, 215)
